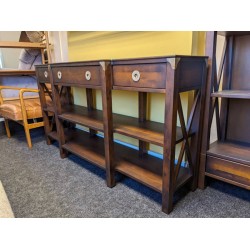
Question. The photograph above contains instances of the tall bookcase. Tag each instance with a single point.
(228, 99)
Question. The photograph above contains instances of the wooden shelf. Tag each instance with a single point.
(90, 148)
(239, 94)
(145, 169)
(53, 135)
(22, 45)
(81, 115)
(237, 152)
(148, 131)
(16, 72)
(233, 33)
(68, 134)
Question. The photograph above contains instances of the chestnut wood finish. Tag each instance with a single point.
(89, 75)
(228, 158)
(170, 75)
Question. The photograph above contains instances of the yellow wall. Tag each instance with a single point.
(114, 45)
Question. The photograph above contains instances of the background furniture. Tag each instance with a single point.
(169, 75)
(23, 109)
(228, 158)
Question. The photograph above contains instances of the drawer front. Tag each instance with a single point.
(43, 75)
(230, 170)
(140, 76)
(85, 75)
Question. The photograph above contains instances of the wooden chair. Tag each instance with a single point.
(21, 110)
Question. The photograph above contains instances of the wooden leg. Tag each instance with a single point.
(167, 202)
(202, 180)
(27, 133)
(6, 122)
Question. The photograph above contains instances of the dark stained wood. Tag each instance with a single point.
(170, 75)
(90, 105)
(228, 158)
(87, 147)
(150, 90)
(151, 76)
(81, 115)
(239, 184)
(237, 152)
(171, 104)
(148, 131)
(227, 78)
(233, 33)
(229, 170)
(147, 169)
(239, 94)
(42, 93)
(77, 75)
(108, 122)
(142, 114)
(210, 51)
(16, 72)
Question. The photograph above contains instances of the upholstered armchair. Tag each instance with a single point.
(24, 110)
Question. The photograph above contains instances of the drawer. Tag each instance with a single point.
(229, 170)
(84, 75)
(43, 75)
(140, 76)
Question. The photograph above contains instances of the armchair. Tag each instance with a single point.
(21, 110)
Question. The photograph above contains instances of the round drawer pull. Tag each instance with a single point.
(45, 74)
(59, 74)
(87, 75)
(136, 75)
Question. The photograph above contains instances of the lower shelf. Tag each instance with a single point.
(90, 148)
(53, 135)
(145, 169)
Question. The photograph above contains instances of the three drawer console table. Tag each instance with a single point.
(169, 75)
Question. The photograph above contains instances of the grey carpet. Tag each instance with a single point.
(39, 183)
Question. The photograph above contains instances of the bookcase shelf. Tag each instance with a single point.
(237, 94)
(228, 159)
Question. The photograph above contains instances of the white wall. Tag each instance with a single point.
(10, 56)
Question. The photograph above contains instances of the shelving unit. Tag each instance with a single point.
(227, 159)
(87, 145)
(170, 75)
(46, 98)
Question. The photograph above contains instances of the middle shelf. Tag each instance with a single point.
(149, 131)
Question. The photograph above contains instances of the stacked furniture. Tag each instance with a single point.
(23, 110)
(228, 158)
(171, 76)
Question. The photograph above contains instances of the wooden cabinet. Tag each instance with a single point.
(166, 75)
(228, 98)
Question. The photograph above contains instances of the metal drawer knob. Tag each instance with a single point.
(136, 75)
(87, 75)
(59, 74)
(45, 74)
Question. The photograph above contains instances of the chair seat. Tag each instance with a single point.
(12, 109)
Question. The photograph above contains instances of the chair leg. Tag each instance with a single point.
(6, 122)
(27, 133)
